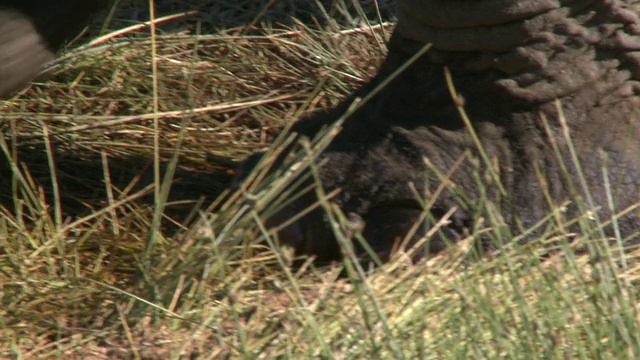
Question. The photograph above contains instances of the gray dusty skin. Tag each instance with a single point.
(510, 60)
(31, 31)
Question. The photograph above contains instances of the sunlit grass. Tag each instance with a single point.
(77, 206)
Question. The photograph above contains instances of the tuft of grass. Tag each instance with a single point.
(77, 209)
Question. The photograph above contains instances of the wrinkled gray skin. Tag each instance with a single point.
(32, 31)
(510, 60)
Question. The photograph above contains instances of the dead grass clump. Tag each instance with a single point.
(106, 164)
(77, 170)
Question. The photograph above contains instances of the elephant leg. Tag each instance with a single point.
(23, 51)
(32, 31)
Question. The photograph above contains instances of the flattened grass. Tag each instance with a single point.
(78, 204)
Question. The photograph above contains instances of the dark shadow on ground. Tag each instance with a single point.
(81, 182)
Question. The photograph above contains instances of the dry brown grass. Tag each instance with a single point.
(72, 239)
(85, 151)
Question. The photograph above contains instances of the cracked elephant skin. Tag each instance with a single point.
(525, 69)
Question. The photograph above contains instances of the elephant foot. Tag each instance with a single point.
(513, 110)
